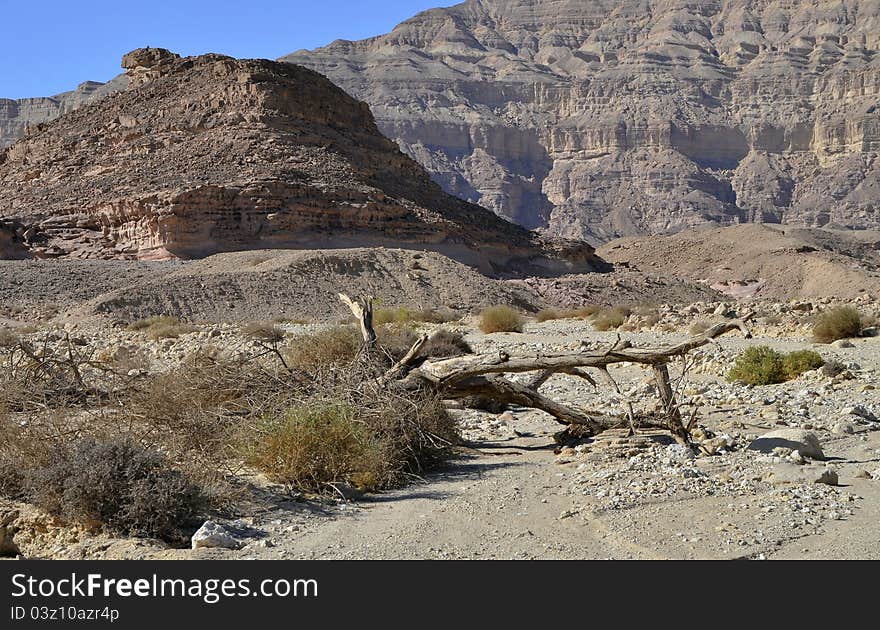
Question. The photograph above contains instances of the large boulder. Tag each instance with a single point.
(805, 442)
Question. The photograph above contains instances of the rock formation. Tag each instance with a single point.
(17, 115)
(208, 154)
(599, 118)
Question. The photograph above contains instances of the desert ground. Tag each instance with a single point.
(512, 487)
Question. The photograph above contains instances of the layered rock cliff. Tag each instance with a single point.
(599, 118)
(208, 154)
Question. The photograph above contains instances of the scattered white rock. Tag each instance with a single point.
(213, 535)
(806, 442)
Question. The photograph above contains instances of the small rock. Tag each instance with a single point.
(843, 428)
(795, 439)
(843, 343)
(791, 473)
(213, 535)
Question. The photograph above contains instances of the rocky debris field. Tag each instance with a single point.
(787, 470)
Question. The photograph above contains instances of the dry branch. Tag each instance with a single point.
(481, 375)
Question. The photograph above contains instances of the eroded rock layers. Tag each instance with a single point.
(599, 118)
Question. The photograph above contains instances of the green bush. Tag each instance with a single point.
(761, 365)
(500, 319)
(800, 361)
(843, 322)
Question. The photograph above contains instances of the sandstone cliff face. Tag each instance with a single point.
(599, 118)
(209, 154)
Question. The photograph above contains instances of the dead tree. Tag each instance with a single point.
(483, 375)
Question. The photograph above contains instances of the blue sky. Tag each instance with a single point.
(50, 46)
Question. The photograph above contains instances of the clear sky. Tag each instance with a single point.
(51, 46)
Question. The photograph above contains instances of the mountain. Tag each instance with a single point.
(209, 154)
(17, 114)
(597, 118)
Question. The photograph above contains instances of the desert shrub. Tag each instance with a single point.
(374, 443)
(843, 322)
(315, 444)
(760, 365)
(269, 332)
(407, 315)
(447, 343)
(548, 314)
(162, 327)
(610, 318)
(121, 485)
(500, 319)
(334, 346)
(800, 361)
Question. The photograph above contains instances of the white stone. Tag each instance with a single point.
(214, 535)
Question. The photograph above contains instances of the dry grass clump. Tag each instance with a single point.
(162, 327)
(501, 319)
(268, 332)
(370, 440)
(324, 349)
(761, 365)
(843, 322)
(610, 318)
(408, 315)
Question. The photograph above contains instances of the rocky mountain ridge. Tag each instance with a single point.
(595, 119)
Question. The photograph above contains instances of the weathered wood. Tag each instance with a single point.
(362, 309)
(480, 375)
(506, 391)
(461, 368)
(670, 406)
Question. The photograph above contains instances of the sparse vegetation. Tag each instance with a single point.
(375, 444)
(610, 318)
(162, 327)
(501, 319)
(761, 365)
(406, 315)
(120, 485)
(800, 361)
(843, 322)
